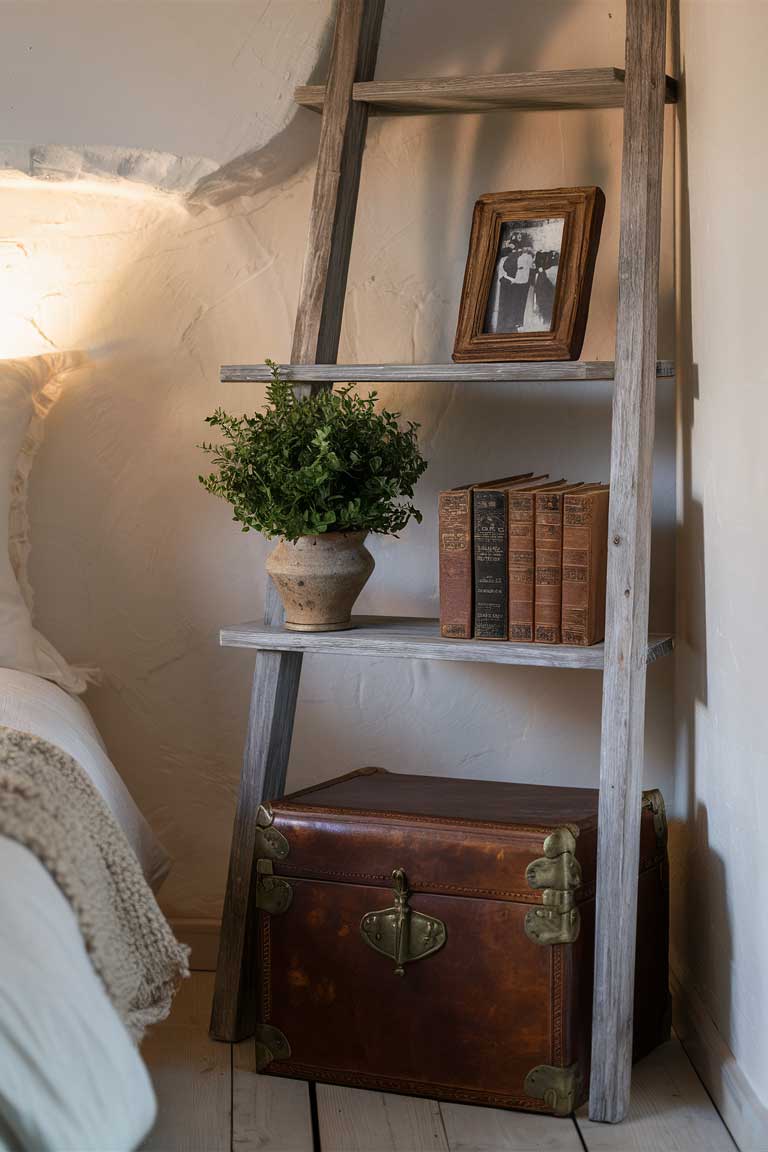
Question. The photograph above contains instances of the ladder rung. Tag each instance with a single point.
(531, 91)
(433, 373)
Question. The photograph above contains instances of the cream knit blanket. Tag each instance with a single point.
(49, 804)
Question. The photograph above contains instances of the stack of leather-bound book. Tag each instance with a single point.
(524, 558)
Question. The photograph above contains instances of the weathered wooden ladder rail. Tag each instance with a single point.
(345, 102)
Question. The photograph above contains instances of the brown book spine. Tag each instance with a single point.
(585, 554)
(455, 553)
(489, 528)
(548, 558)
(520, 563)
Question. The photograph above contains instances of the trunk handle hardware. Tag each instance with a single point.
(400, 933)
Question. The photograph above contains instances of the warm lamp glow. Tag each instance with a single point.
(59, 257)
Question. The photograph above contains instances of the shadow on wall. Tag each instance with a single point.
(457, 43)
(275, 162)
(701, 921)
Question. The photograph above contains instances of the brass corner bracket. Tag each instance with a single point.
(271, 1044)
(271, 893)
(270, 843)
(559, 1088)
(557, 873)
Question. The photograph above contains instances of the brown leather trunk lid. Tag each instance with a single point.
(454, 837)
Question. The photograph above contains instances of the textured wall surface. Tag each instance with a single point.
(721, 933)
(135, 566)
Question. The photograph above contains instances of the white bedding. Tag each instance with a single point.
(34, 705)
(71, 1079)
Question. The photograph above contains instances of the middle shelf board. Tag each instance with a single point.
(517, 372)
(414, 637)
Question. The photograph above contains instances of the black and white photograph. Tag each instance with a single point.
(522, 290)
(528, 275)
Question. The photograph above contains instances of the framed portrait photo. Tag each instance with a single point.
(529, 275)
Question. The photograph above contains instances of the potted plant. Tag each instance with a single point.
(321, 473)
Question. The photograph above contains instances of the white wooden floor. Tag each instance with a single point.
(211, 1100)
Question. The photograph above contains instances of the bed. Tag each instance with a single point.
(71, 1076)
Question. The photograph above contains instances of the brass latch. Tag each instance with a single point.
(558, 873)
(559, 1088)
(401, 933)
(271, 893)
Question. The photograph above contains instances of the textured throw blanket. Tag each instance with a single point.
(48, 804)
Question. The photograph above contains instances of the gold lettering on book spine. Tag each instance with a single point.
(455, 557)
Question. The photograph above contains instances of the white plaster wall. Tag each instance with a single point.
(720, 926)
(135, 566)
(205, 80)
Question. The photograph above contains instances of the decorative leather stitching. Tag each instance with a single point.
(284, 807)
(265, 966)
(557, 1004)
(417, 886)
(426, 887)
(411, 1087)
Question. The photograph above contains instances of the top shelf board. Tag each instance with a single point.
(525, 91)
(517, 372)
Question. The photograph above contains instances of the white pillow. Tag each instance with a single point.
(27, 389)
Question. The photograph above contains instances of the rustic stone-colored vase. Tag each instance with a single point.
(319, 578)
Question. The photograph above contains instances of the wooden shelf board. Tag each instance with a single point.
(432, 373)
(413, 637)
(525, 91)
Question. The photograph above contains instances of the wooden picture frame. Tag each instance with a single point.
(529, 275)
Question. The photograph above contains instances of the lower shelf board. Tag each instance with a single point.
(414, 637)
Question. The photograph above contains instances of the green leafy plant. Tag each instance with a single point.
(329, 463)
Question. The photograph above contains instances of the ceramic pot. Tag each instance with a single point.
(319, 578)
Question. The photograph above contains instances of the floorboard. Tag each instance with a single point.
(211, 1099)
(470, 1129)
(670, 1111)
(269, 1113)
(191, 1075)
(352, 1120)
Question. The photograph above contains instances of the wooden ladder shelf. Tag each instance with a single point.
(345, 102)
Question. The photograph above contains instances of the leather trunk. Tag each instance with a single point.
(498, 880)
